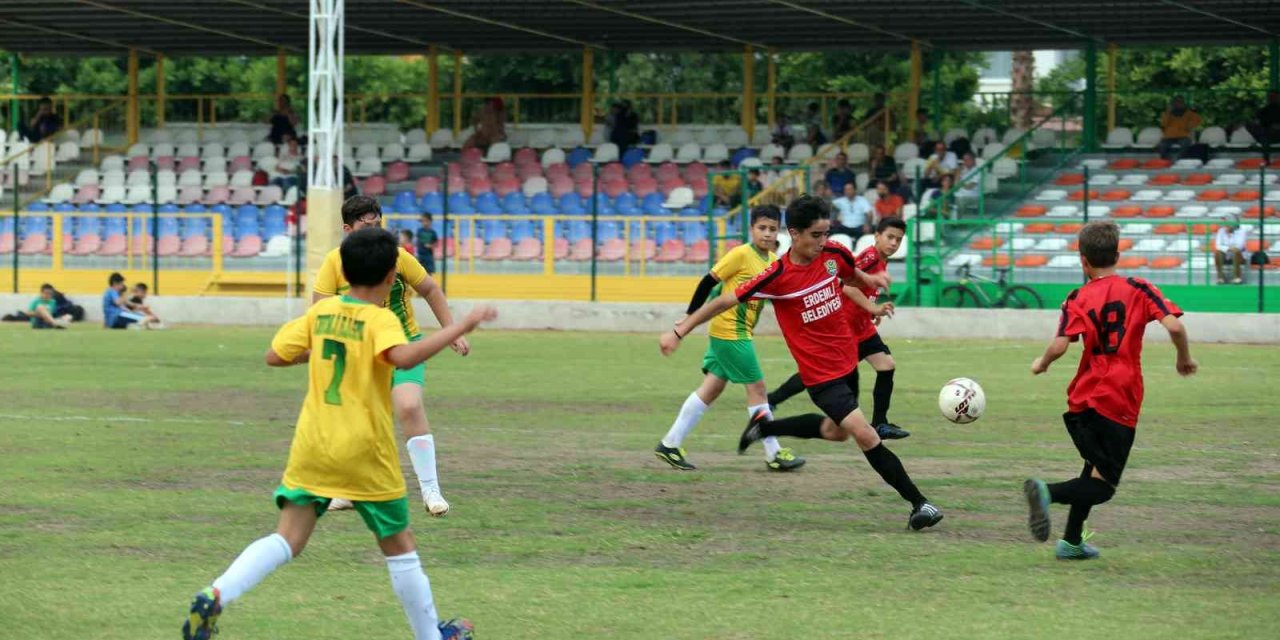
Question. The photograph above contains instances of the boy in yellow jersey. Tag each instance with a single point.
(360, 212)
(344, 445)
(731, 356)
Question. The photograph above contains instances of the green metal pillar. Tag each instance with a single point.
(13, 126)
(1274, 67)
(1091, 96)
(13, 102)
(936, 107)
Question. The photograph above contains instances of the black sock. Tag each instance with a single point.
(1075, 523)
(890, 468)
(791, 387)
(1087, 492)
(807, 426)
(882, 392)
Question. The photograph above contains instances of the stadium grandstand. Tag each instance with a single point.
(210, 206)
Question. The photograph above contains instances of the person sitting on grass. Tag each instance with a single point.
(43, 309)
(117, 312)
(138, 302)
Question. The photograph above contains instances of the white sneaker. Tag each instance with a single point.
(340, 504)
(436, 504)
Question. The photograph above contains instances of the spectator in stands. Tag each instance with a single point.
(840, 174)
(349, 187)
(877, 115)
(884, 169)
(625, 131)
(1176, 126)
(406, 242)
(138, 302)
(889, 203)
(754, 183)
(813, 126)
(942, 163)
(853, 213)
(782, 134)
(427, 239)
(770, 176)
(117, 312)
(284, 120)
(726, 186)
(43, 311)
(44, 124)
(1267, 129)
(937, 201)
(970, 181)
(821, 190)
(489, 125)
(842, 123)
(1230, 242)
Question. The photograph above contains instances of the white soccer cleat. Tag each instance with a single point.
(436, 505)
(340, 504)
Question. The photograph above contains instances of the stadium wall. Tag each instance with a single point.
(654, 317)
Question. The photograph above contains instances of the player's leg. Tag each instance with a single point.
(738, 361)
(671, 448)
(299, 511)
(791, 387)
(406, 398)
(877, 354)
(389, 522)
(776, 457)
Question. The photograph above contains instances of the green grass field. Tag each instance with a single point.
(134, 466)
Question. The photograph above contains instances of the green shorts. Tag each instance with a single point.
(384, 519)
(416, 375)
(732, 360)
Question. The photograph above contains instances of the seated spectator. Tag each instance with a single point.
(889, 203)
(625, 129)
(840, 174)
(884, 169)
(754, 183)
(923, 137)
(427, 238)
(1230, 242)
(813, 126)
(726, 186)
(349, 187)
(44, 124)
(937, 201)
(853, 213)
(842, 122)
(489, 125)
(284, 120)
(821, 190)
(941, 163)
(782, 135)
(138, 302)
(43, 311)
(970, 186)
(1267, 128)
(1176, 126)
(116, 310)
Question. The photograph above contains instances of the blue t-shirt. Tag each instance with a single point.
(110, 306)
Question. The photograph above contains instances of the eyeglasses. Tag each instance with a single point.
(370, 218)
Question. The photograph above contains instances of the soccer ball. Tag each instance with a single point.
(962, 401)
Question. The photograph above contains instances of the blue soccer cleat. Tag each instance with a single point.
(456, 629)
(1037, 494)
(1082, 551)
(202, 621)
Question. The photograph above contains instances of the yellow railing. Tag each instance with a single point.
(137, 249)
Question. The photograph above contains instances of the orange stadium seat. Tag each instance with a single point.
(1070, 180)
(1157, 163)
(1079, 194)
(982, 244)
(1038, 227)
(1166, 262)
(1069, 227)
(1000, 260)
(1163, 179)
(1250, 163)
(1170, 229)
(1246, 195)
(1126, 211)
(1030, 211)
(1211, 195)
(1197, 179)
(1131, 262)
(1253, 246)
(1160, 211)
(1124, 163)
(1113, 195)
(1032, 261)
(1252, 212)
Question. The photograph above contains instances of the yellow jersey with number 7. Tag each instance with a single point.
(344, 445)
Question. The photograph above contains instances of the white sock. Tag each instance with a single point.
(414, 590)
(422, 453)
(256, 562)
(690, 413)
(770, 443)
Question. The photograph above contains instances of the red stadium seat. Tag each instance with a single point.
(1160, 211)
(1124, 163)
(528, 249)
(1250, 163)
(1032, 261)
(1126, 211)
(1252, 212)
(1038, 227)
(1211, 195)
(1166, 262)
(1131, 262)
(1156, 163)
(1070, 180)
(499, 248)
(1163, 179)
(982, 244)
(1113, 195)
(1197, 179)
(999, 260)
(1078, 195)
(1031, 211)
(1246, 195)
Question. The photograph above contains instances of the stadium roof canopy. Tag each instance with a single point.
(262, 27)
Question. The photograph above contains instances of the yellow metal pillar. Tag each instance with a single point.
(160, 91)
(773, 88)
(132, 115)
(457, 92)
(433, 89)
(913, 98)
(748, 91)
(588, 91)
(282, 87)
(1111, 87)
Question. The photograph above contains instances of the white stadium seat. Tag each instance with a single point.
(1119, 138)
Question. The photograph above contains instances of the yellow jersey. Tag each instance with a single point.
(409, 274)
(739, 266)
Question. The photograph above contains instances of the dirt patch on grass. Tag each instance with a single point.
(232, 404)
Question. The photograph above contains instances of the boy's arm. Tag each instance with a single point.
(1056, 349)
(859, 298)
(274, 359)
(702, 292)
(434, 295)
(290, 345)
(407, 356)
(1185, 364)
(670, 340)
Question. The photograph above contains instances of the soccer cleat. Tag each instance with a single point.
(889, 431)
(340, 504)
(752, 433)
(202, 621)
(456, 629)
(1082, 551)
(673, 456)
(436, 504)
(786, 460)
(925, 515)
(1037, 493)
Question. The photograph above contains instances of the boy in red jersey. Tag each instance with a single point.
(805, 285)
(865, 315)
(1110, 312)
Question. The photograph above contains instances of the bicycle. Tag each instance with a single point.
(970, 294)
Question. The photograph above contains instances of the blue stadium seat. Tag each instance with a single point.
(118, 208)
(274, 221)
(460, 203)
(608, 231)
(168, 226)
(142, 208)
(37, 206)
(542, 203)
(80, 225)
(406, 202)
(577, 157)
(663, 231)
(571, 203)
(578, 229)
(626, 204)
(90, 207)
(513, 203)
(491, 230)
(6, 225)
(742, 154)
(115, 226)
(193, 227)
(632, 157)
(37, 225)
(64, 207)
(487, 203)
(412, 225)
(693, 232)
(432, 202)
(521, 229)
(604, 206)
(692, 212)
(164, 208)
(245, 225)
(388, 209)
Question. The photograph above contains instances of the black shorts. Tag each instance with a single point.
(1102, 442)
(871, 346)
(836, 398)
